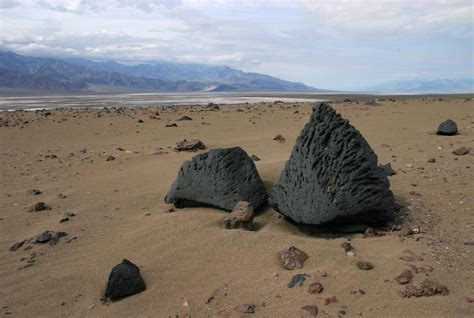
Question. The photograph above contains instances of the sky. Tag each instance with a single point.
(337, 44)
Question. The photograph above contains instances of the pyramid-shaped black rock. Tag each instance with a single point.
(124, 280)
(332, 175)
(219, 178)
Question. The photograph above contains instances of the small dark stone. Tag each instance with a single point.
(183, 117)
(44, 237)
(279, 138)
(191, 145)
(172, 125)
(38, 207)
(254, 158)
(219, 178)
(15, 247)
(365, 265)
(447, 128)
(65, 219)
(110, 158)
(310, 311)
(61, 196)
(245, 309)
(140, 121)
(124, 280)
(33, 192)
(461, 151)
(298, 279)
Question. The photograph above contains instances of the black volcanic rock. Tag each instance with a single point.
(219, 178)
(124, 280)
(447, 128)
(332, 175)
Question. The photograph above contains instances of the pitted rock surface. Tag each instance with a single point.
(219, 178)
(332, 175)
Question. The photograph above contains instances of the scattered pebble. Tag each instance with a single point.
(292, 258)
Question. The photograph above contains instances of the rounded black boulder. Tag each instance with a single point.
(447, 128)
(218, 178)
(124, 280)
(332, 175)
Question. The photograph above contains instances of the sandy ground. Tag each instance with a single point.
(187, 256)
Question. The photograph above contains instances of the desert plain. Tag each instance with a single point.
(191, 264)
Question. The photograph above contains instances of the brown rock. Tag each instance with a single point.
(347, 246)
(363, 265)
(191, 145)
(427, 288)
(315, 288)
(309, 311)
(241, 217)
(279, 138)
(245, 309)
(292, 258)
(330, 300)
(461, 151)
(405, 277)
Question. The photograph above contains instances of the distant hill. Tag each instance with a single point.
(216, 75)
(16, 79)
(82, 74)
(447, 85)
(49, 68)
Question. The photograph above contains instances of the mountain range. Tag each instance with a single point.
(74, 74)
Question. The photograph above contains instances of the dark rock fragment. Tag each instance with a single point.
(219, 178)
(461, 151)
(38, 207)
(124, 280)
(292, 258)
(110, 158)
(447, 128)
(279, 138)
(241, 217)
(191, 145)
(245, 309)
(332, 175)
(33, 192)
(365, 266)
(298, 279)
(309, 311)
(183, 117)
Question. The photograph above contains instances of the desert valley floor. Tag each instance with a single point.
(192, 266)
